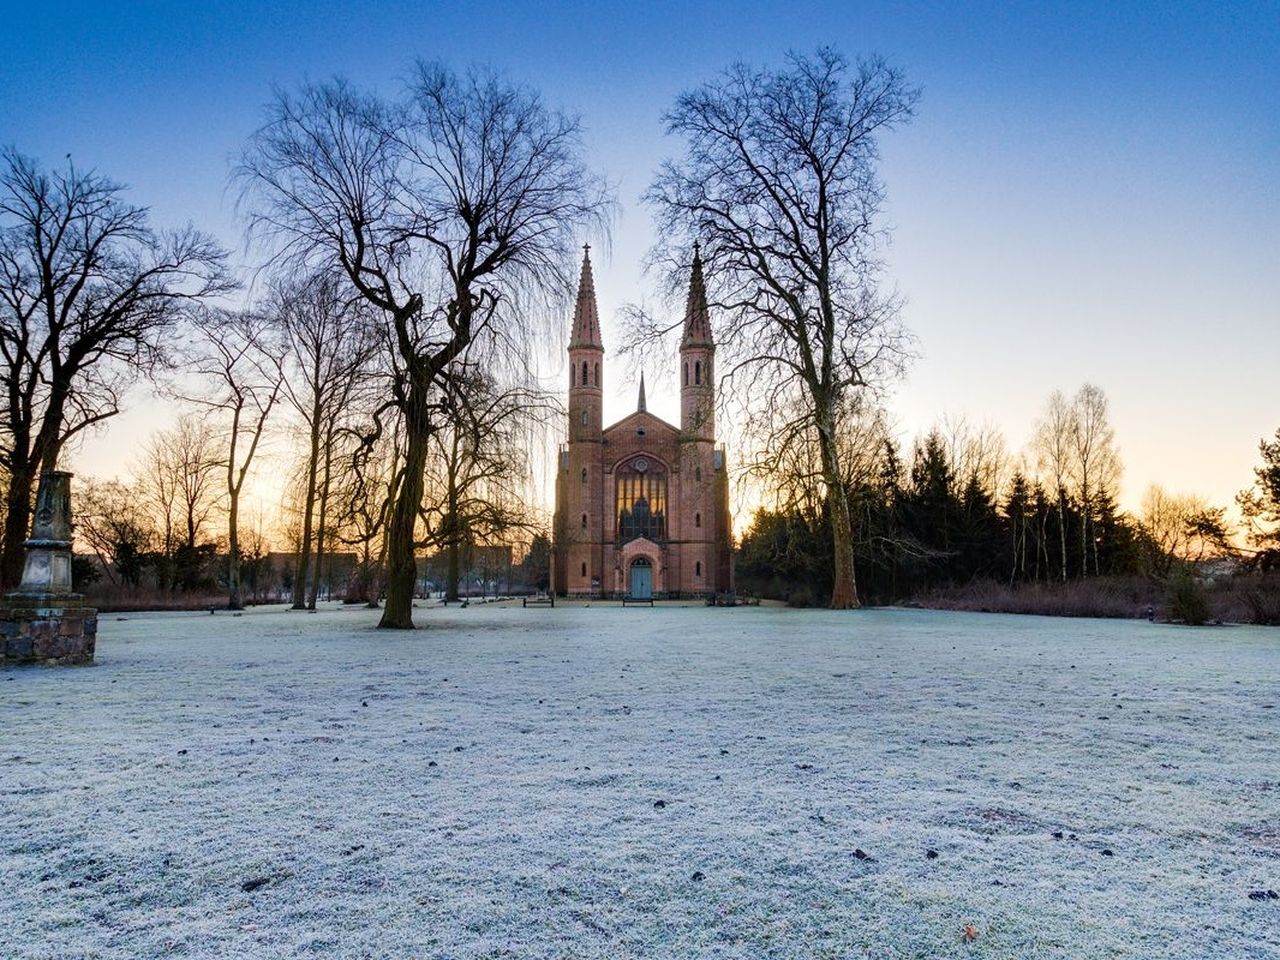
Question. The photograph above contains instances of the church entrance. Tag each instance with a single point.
(641, 579)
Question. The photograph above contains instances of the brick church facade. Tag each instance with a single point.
(642, 506)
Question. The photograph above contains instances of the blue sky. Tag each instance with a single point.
(1091, 192)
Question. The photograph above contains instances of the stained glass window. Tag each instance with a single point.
(641, 500)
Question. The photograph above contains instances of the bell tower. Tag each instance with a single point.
(697, 357)
(586, 361)
(580, 480)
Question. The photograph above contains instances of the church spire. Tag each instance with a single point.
(697, 326)
(586, 318)
(640, 404)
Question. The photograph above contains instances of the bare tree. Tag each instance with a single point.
(112, 521)
(87, 292)
(450, 211)
(1182, 527)
(978, 453)
(179, 474)
(239, 359)
(1095, 465)
(778, 183)
(1053, 443)
(330, 346)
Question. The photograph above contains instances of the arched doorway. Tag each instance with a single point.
(641, 579)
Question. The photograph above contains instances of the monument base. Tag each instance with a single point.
(46, 629)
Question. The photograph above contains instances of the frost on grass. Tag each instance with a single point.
(674, 782)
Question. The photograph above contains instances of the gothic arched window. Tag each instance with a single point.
(584, 373)
(597, 371)
(584, 521)
(686, 373)
(697, 519)
(641, 499)
(697, 474)
(584, 569)
(697, 569)
(584, 474)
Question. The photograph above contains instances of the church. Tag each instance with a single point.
(642, 506)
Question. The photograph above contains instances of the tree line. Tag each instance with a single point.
(960, 509)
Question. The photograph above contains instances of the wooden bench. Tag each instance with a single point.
(539, 601)
(629, 600)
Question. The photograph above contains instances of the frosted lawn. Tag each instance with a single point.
(670, 782)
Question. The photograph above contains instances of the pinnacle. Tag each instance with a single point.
(586, 316)
(697, 324)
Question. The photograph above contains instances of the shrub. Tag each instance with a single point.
(800, 597)
(1119, 597)
(1262, 600)
(1187, 600)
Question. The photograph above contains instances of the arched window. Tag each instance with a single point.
(641, 500)
(697, 519)
(584, 569)
(584, 373)
(584, 521)
(584, 418)
(573, 375)
(686, 373)
(697, 474)
(697, 569)
(597, 380)
(697, 372)
(584, 474)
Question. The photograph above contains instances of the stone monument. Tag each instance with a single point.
(43, 621)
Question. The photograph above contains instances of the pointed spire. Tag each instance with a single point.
(697, 324)
(640, 404)
(586, 318)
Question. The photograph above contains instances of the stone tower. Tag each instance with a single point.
(584, 478)
(697, 355)
(701, 475)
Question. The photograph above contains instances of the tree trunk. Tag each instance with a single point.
(323, 518)
(844, 588)
(308, 517)
(17, 525)
(375, 575)
(1085, 511)
(402, 564)
(317, 567)
(454, 573)
(1062, 533)
(234, 601)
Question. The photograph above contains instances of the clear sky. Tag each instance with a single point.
(1091, 192)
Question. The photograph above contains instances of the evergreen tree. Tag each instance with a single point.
(1260, 505)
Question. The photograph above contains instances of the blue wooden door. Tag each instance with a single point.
(641, 581)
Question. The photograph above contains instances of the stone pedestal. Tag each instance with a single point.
(43, 621)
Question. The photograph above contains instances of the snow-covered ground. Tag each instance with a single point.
(667, 783)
